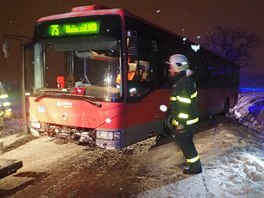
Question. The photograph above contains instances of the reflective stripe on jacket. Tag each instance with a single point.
(5, 104)
(184, 100)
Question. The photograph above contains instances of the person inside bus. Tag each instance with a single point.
(183, 102)
(130, 73)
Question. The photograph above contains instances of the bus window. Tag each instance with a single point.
(82, 64)
(142, 63)
(132, 43)
(54, 66)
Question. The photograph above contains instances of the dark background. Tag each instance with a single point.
(192, 19)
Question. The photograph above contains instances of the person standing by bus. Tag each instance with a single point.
(184, 110)
(4, 108)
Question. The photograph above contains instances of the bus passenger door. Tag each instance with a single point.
(144, 117)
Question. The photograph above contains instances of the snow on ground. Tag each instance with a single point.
(232, 167)
(233, 164)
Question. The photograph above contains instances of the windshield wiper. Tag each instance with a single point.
(90, 101)
(37, 99)
(49, 92)
(52, 93)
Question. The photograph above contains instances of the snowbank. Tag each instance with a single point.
(249, 111)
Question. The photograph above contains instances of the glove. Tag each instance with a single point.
(180, 128)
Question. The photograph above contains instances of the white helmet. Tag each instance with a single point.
(179, 61)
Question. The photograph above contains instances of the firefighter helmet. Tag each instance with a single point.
(179, 61)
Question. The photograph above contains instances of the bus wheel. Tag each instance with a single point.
(167, 125)
(226, 106)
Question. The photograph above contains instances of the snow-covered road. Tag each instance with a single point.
(233, 166)
(232, 154)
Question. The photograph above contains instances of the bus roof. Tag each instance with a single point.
(95, 9)
(84, 11)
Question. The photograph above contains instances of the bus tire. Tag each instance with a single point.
(167, 124)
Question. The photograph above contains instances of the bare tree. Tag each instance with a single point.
(233, 44)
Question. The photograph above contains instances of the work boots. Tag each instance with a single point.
(194, 168)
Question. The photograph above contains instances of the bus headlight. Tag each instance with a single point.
(108, 135)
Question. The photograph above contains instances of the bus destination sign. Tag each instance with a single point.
(91, 27)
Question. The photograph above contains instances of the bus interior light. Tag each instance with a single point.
(108, 80)
(132, 90)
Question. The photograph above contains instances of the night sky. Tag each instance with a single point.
(189, 18)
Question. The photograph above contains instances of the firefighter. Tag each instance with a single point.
(5, 105)
(183, 102)
(4, 110)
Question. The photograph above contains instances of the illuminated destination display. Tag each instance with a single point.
(91, 27)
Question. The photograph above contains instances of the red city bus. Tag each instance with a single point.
(100, 76)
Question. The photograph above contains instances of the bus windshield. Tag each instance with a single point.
(93, 65)
(79, 59)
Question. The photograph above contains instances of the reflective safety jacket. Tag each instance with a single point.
(5, 104)
(184, 100)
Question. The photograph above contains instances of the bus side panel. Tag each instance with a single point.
(145, 119)
(212, 101)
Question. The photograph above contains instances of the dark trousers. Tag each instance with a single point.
(185, 141)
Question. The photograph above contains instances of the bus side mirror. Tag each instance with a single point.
(132, 43)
